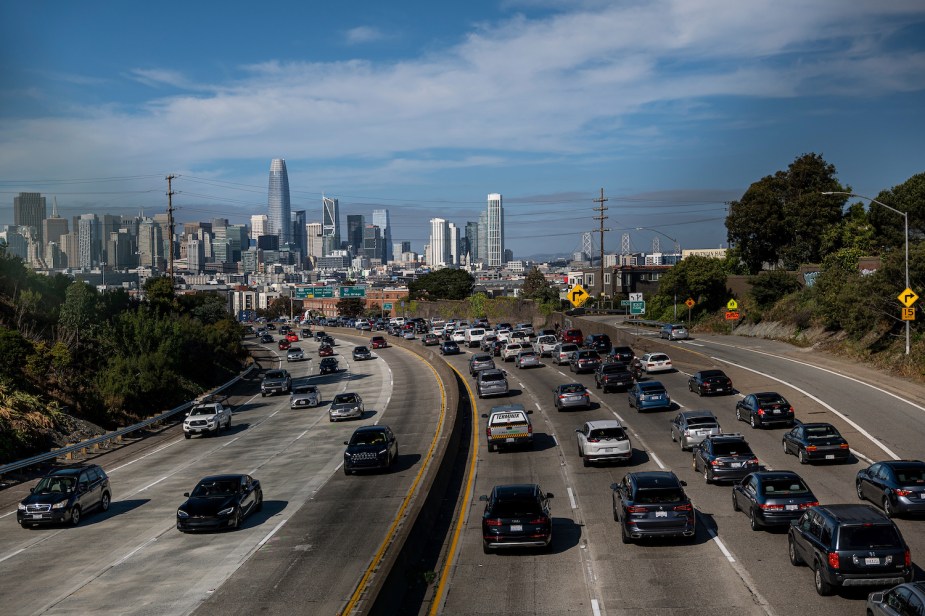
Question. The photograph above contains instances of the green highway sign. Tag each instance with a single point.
(625, 302)
(352, 291)
(637, 307)
(387, 306)
(313, 292)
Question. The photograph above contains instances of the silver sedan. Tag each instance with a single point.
(346, 406)
(527, 359)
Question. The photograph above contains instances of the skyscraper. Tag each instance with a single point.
(454, 243)
(381, 220)
(372, 243)
(54, 226)
(313, 247)
(439, 243)
(258, 226)
(299, 239)
(330, 226)
(472, 242)
(495, 239)
(355, 224)
(29, 211)
(278, 212)
(88, 233)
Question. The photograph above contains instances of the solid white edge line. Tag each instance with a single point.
(12, 554)
(838, 413)
(571, 498)
(271, 533)
(135, 551)
(595, 607)
(721, 545)
(657, 461)
(555, 440)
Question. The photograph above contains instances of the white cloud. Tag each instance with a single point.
(363, 34)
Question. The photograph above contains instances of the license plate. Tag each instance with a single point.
(661, 514)
(830, 456)
(736, 465)
(791, 507)
(36, 516)
(509, 440)
(517, 527)
(777, 411)
(871, 561)
(606, 449)
(720, 389)
(922, 495)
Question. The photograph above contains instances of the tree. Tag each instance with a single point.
(442, 284)
(769, 287)
(781, 219)
(701, 278)
(909, 197)
(160, 294)
(350, 307)
(78, 313)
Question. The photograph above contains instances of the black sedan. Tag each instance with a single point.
(816, 441)
(707, 382)
(266, 338)
(449, 348)
(516, 516)
(220, 501)
(765, 409)
(898, 486)
(361, 352)
(772, 498)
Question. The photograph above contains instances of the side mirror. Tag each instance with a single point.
(186, 494)
(31, 490)
(683, 483)
(577, 429)
(529, 412)
(346, 443)
(483, 497)
(614, 486)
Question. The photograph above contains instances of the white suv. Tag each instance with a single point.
(474, 336)
(207, 419)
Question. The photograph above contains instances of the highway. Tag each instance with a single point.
(311, 544)
(728, 569)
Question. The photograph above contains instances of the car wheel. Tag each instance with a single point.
(485, 548)
(735, 502)
(753, 422)
(347, 470)
(783, 444)
(802, 456)
(187, 435)
(706, 473)
(795, 559)
(623, 536)
(822, 587)
(75, 516)
(105, 501)
(681, 444)
(491, 447)
(259, 505)
(859, 490)
(888, 507)
(694, 463)
(753, 522)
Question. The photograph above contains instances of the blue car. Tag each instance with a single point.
(649, 395)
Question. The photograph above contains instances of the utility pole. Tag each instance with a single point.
(170, 194)
(601, 218)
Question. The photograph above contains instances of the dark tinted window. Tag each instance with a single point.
(701, 422)
(575, 388)
(731, 449)
(491, 377)
(608, 433)
(770, 400)
(821, 432)
(368, 438)
(655, 496)
(274, 374)
(515, 507)
(867, 537)
(784, 487)
(909, 475)
(614, 368)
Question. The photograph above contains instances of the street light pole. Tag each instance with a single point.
(905, 216)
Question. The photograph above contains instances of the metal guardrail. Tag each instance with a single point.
(118, 434)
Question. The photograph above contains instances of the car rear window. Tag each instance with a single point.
(658, 357)
(821, 432)
(731, 449)
(568, 348)
(910, 475)
(507, 419)
(491, 377)
(515, 507)
(655, 496)
(867, 537)
(784, 487)
(701, 422)
(575, 388)
(770, 400)
(608, 433)
(614, 368)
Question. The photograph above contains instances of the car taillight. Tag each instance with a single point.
(493, 522)
(530, 429)
(562, 396)
(687, 507)
(833, 560)
(810, 448)
(540, 520)
(843, 446)
(899, 492)
(635, 509)
(753, 461)
(488, 432)
(908, 558)
(594, 440)
(808, 505)
(760, 412)
(716, 462)
(791, 409)
(772, 507)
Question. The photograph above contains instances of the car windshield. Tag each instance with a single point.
(344, 398)
(867, 537)
(274, 374)
(701, 422)
(202, 410)
(368, 438)
(55, 484)
(731, 449)
(215, 489)
(655, 496)
(574, 388)
(821, 432)
(304, 389)
(784, 487)
(515, 508)
(608, 434)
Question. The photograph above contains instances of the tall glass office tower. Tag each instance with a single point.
(279, 216)
(330, 226)
(495, 232)
(381, 220)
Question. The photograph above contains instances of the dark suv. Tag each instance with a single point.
(726, 456)
(613, 375)
(652, 504)
(849, 545)
(516, 516)
(65, 495)
(599, 342)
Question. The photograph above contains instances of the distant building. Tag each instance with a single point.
(381, 220)
(495, 240)
(471, 243)
(29, 211)
(330, 226)
(355, 224)
(313, 235)
(278, 207)
(258, 226)
(440, 255)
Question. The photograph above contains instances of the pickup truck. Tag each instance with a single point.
(208, 419)
(544, 345)
(508, 425)
(275, 381)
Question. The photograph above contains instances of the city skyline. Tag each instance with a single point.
(423, 110)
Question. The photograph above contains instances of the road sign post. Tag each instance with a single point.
(577, 295)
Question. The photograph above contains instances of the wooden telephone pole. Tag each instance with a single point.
(601, 218)
(170, 194)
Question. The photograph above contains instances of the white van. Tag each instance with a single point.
(473, 336)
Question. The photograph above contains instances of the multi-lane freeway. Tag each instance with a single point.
(319, 530)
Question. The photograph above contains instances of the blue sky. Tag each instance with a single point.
(672, 107)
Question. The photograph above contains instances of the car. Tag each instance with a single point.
(304, 396)
(849, 545)
(571, 395)
(408, 334)
(64, 496)
(430, 340)
(271, 326)
(898, 486)
(646, 395)
(361, 352)
(544, 345)
(497, 347)
(603, 440)
(448, 347)
(511, 349)
(652, 504)
(473, 336)
(724, 457)
(328, 365)
(458, 336)
(508, 425)
(516, 516)
(521, 337)
(266, 338)
(655, 362)
(902, 599)
(689, 428)
(292, 337)
(584, 360)
(378, 342)
(319, 335)
(219, 501)
(327, 340)
(562, 352)
(207, 419)
(487, 342)
(348, 405)
(572, 335)
(707, 382)
(325, 350)
(674, 331)
(622, 354)
(613, 375)
(772, 498)
(527, 359)
(284, 345)
(765, 409)
(491, 382)
(275, 381)
(295, 354)
(598, 342)
(370, 447)
(480, 361)
(526, 328)
(810, 442)
(306, 334)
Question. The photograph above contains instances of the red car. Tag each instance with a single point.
(325, 350)
(574, 336)
(284, 345)
(292, 337)
(378, 342)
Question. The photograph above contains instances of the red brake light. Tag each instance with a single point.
(810, 448)
(833, 560)
(493, 522)
(542, 520)
(808, 505)
(597, 440)
(843, 446)
(772, 507)
(760, 412)
(899, 492)
(635, 509)
(686, 507)
(716, 462)
(908, 558)
(530, 429)
(753, 461)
